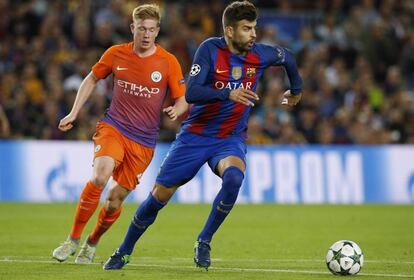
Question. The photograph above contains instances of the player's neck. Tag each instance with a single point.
(145, 52)
(232, 48)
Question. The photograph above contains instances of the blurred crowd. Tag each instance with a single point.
(356, 59)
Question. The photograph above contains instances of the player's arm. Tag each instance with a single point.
(176, 85)
(84, 91)
(282, 56)
(99, 71)
(292, 97)
(199, 88)
(179, 108)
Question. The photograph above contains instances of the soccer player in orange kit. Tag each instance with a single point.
(125, 138)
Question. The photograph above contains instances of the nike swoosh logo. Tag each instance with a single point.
(221, 71)
(121, 68)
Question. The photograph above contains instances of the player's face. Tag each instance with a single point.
(244, 35)
(145, 31)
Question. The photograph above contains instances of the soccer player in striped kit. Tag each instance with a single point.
(125, 138)
(222, 85)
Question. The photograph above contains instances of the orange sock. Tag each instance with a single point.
(104, 222)
(88, 202)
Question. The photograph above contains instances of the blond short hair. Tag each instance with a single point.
(147, 11)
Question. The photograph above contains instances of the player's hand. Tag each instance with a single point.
(289, 99)
(243, 96)
(170, 112)
(66, 123)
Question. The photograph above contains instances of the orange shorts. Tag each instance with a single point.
(131, 158)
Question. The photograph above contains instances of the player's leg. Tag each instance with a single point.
(229, 164)
(109, 213)
(231, 170)
(89, 199)
(88, 202)
(180, 165)
(125, 178)
(143, 218)
(108, 154)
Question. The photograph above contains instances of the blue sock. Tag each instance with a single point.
(223, 203)
(143, 218)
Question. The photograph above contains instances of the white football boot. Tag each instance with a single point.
(86, 254)
(66, 249)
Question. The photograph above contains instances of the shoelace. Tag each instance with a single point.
(87, 250)
(204, 245)
(67, 245)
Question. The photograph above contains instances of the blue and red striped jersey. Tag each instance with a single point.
(215, 72)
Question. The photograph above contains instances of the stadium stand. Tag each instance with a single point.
(356, 59)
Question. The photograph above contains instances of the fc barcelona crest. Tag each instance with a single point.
(250, 72)
(236, 72)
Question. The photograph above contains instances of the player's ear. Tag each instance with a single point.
(132, 27)
(158, 31)
(229, 31)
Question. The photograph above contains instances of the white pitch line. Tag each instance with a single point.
(288, 260)
(168, 259)
(231, 269)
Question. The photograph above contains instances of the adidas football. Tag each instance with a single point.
(344, 257)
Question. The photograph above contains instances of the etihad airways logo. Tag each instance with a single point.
(137, 90)
(232, 85)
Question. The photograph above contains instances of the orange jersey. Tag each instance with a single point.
(140, 87)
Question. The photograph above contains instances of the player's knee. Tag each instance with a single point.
(112, 204)
(114, 199)
(163, 194)
(99, 180)
(232, 179)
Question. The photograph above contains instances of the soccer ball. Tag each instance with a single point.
(344, 257)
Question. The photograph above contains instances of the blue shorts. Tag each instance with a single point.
(189, 152)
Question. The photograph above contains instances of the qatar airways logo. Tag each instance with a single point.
(137, 90)
(232, 85)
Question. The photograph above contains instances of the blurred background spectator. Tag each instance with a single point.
(356, 58)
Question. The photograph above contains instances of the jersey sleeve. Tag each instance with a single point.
(103, 67)
(278, 56)
(176, 82)
(199, 89)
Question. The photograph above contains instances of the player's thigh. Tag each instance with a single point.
(136, 160)
(181, 163)
(231, 152)
(103, 167)
(108, 152)
(108, 142)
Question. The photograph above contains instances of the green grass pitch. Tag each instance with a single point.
(255, 242)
